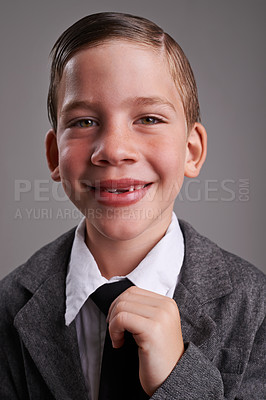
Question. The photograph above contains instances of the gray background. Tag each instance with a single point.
(225, 43)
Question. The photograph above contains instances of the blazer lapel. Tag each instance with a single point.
(197, 326)
(52, 345)
(204, 278)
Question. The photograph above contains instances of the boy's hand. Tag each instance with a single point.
(155, 324)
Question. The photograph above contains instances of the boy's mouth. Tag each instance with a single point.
(119, 193)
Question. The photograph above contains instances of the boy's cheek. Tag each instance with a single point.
(71, 159)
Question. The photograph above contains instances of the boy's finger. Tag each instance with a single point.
(143, 310)
(126, 321)
(142, 297)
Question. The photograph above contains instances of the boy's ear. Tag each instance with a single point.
(196, 150)
(52, 155)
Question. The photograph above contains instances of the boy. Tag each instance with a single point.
(125, 130)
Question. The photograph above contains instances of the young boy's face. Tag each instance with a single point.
(122, 140)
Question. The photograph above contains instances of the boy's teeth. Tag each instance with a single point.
(130, 189)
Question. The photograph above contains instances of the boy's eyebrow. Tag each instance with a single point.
(74, 104)
(139, 101)
(149, 101)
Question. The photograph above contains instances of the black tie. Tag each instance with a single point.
(120, 367)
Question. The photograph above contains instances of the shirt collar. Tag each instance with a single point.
(157, 272)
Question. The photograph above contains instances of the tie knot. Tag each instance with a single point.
(107, 293)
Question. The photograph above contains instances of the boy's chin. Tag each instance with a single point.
(120, 226)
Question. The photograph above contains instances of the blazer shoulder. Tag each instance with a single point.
(18, 286)
(207, 263)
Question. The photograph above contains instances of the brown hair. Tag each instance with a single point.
(94, 29)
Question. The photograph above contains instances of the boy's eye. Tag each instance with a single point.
(149, 120)
(85, 123)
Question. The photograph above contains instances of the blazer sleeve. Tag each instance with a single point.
(196, 377)
(193, 378)
(254, 380)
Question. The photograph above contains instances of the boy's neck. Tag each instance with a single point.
(119, 258)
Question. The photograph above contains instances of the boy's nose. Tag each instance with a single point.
(114, 146)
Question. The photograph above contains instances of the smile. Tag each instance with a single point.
(119, 193)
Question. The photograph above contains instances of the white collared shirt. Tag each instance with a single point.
(157, 272)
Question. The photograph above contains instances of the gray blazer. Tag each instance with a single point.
(220, 298)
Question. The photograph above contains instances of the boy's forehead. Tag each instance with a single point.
(117, 64)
